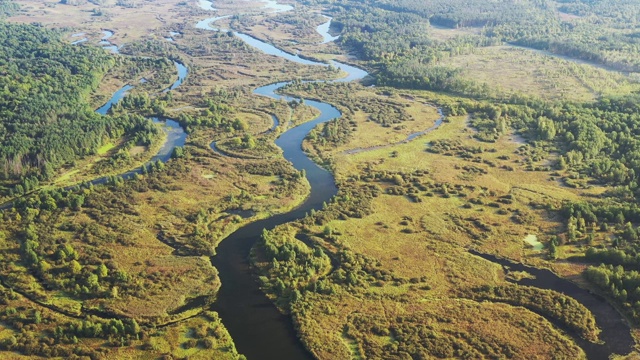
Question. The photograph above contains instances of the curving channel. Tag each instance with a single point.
(259, 330)
(176, 136)
(323, 30)
(616, 334)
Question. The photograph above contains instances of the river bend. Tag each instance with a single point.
(259, 330)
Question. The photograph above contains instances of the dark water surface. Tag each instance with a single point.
(616, 333)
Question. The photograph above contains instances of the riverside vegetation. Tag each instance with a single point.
(536, 139)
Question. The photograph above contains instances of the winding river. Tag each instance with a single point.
(615, 333)
(259, 330)
(176, 136)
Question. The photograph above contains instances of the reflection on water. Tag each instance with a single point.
(107, 45)
(273, 5)
(206, 23)
(323, 30)
(258, 329)
(182, 74)
(206, 5)
(533, 241)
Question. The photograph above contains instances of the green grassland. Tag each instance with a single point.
(408, 213)
(511, 70)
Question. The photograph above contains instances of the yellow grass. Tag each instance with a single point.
(442, 33)
(292, 40)
(258, 123)
(530, 336)
(82, 171)
(370, 134)
(515, 70)
(130, 24)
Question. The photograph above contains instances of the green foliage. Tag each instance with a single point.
(178, 152)
(559, 307)
(620, 285)
(392, 35)
(8, 8)
(294, 267)
(614, 257)
(45, 120)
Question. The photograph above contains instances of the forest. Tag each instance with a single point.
(46, 120)
(8, 8)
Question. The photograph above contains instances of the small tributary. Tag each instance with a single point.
(176, 136)
(616, 334)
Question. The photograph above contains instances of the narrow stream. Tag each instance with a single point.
(206, 5)
(615, 333)
(76, 42)
(176, 136)
(323, 30)
(409, 138)
(183, 71)
(108, 45)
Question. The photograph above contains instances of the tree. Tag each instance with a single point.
(629, 232)
(76, 202)
(553, 250)
(562, 163)
(598, 275)
(295, 296)
(178, 152)
(102, 271)
(44, 267)
(93, 282)
(75, 267)
(70, 252)
(327, 231)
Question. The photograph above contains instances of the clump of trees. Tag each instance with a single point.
(620, 285)
(8, 8)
